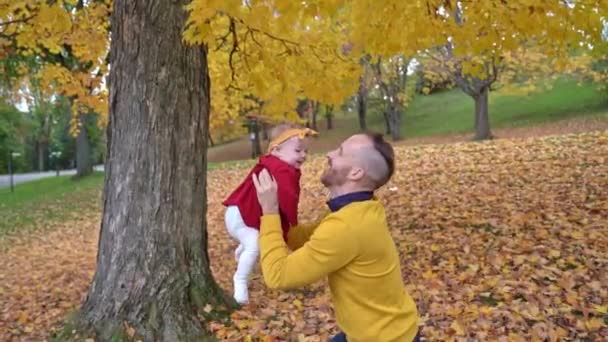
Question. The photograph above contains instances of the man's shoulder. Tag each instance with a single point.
(333, 225)
(361, 213)
(362, 208)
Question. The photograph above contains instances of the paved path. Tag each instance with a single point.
(26, 177)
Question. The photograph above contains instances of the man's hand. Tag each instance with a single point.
(266, 188)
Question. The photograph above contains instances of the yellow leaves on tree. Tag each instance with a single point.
(47, 29)
(527, 71)
(69, 40)
(288, 42)
(275, 52)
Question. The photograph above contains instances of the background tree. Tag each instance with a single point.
(68, 41)
(473, 54)
(13, 124)
(397, 90)
(329, 116)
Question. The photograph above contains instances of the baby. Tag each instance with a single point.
(286, 154)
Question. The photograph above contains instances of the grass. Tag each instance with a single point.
(229, 164)
(48, 200)
(451, 112)
(51, 200)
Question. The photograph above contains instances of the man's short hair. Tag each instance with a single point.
(385, 149)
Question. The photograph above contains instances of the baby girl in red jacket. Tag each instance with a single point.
(286, 154)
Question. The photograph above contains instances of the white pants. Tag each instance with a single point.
(246, 254)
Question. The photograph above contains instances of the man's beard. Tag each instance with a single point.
(334, 177)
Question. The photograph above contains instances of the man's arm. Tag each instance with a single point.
(330, 247)
(300, 234)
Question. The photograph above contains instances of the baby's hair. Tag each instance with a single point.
(282, 127)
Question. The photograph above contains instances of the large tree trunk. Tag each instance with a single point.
(482, 119)
(84, 160)
(152, 263)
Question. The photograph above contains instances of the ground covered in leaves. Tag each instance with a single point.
(503, 240)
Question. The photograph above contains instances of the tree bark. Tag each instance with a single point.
(265, 135)
(362, 106)
(315, 111)
(329, 116)
(482, 118)
(256, 144)
(394, 119)
(40, 148)
(152, 263)
(302, 110)
(387, 122)
(84, 162)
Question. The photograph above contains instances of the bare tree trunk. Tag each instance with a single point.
(394, 119)
(475, 87)
(265, 135)
(40, 147)
(152, 265)
(329, 115)
(84, 162)
(387, 122)
(315, 111)
(482, 119)
(302, 110)
(256, 144)
(210, 139)
(362, 106)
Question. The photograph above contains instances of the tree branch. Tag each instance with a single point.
(15, 21)
(235, 47)
(269, 35)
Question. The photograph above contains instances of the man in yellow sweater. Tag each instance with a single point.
(351, 246)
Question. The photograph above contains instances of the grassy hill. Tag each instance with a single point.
(451, 112)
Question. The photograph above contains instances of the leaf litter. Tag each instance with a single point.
(504, 240)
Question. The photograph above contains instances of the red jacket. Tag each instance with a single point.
(288, 182)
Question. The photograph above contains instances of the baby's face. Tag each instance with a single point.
(292, 151)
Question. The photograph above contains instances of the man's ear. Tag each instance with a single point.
(356, 174)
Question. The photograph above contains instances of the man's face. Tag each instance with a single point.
(340, 162)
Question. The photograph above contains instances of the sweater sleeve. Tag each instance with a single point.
(288, 193)
(300, 234)
(330, 247)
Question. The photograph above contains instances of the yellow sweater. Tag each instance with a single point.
(354, 249)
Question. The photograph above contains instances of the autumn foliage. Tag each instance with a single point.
(59, 47)
(265, 55)
(504, 240)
